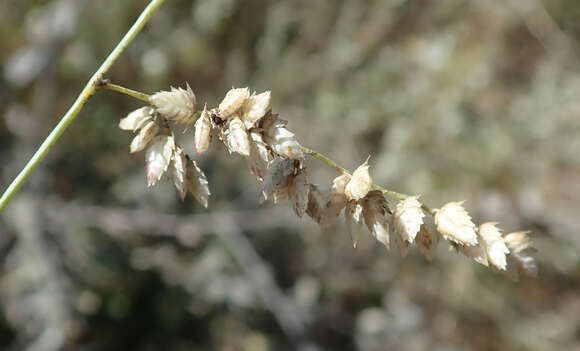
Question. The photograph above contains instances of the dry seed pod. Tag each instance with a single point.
(233, 101)
(408, 218)
(455, 224)
(284, 143)
(178, 105)
(337, 199)
(520, 259)
(426, 242)
(147, 133)
(277, 178)
(359, 184)
(197, 183)
(259, 155)
(353, 219)
(202, 134)
(262, 148)
(495, 247)
(136, 119)
(255, 108)
(298, 192)
(315, 207)
(237, 137)
(375, 212)
(158, 156)
(178, 173)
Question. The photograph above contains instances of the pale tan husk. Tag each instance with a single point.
(408, 218)
(359, 184)
(455, 224)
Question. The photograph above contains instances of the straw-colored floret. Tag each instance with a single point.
(408, 218)
(177, 105)
(454, 223)
(495, 247)
(360, 183)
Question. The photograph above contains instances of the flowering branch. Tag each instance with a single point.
(88, 91)
(246, 125)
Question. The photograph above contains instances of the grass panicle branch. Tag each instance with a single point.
(245, 125)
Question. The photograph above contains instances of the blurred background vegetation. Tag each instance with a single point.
(453, 99)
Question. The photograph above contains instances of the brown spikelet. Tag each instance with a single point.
(353, 218)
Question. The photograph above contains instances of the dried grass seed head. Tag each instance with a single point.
(202, 133)
(360, 183)
(197, 183)
(520, 259)
(233, 101)
(178, 105)
(376, 211)
(408, 218)
(336, 199)
(255, 108)
(426, 242)
(282, 141)
(454, 223)
(178, 171)
(277, 179)
(259, 155)
(158, 157)
(145, 136)
(353, 215)
(494, 245)
(136, 119)
(315, 208)
(237, 137)
(298, 192)
(519, 241)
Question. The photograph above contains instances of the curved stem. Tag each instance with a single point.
(77, 106)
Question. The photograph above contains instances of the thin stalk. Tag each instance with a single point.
(120, 89)
(89, 89)
(324, 159)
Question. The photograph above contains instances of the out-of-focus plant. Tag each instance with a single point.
(246, 125)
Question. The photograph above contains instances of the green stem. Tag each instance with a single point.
(342, 170)
(325, 159)
(120, 89)
(77, 106)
